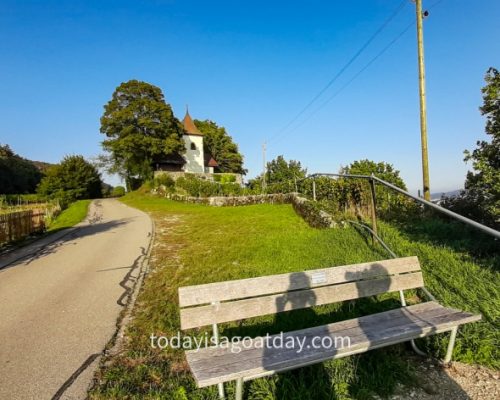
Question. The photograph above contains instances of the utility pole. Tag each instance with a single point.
(263, 166)
(423, 107)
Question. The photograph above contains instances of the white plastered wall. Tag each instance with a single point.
(194, 158)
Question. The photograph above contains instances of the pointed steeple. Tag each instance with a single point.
(189, 125)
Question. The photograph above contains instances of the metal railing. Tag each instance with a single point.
(372, 179)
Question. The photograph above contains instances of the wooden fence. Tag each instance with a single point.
(19, 224)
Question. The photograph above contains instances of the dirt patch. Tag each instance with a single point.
(458, 382)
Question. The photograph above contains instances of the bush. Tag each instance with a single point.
(73, 179)
(225, 178)
(106, 189)
(389, 203)
(118, 191)
(232, 189)
(196, 187)
(164, 180)
(468, 205)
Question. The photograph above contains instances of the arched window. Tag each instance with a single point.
(193, 146)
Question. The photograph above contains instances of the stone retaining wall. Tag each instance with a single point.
(312, 214)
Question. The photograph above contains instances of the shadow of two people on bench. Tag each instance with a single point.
(294, 310)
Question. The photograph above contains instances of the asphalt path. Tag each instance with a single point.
(59, 302)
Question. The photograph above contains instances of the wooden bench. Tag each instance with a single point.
(215, 303)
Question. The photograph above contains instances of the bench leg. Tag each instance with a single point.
(451, 344)
(221, 391)
(239, 389)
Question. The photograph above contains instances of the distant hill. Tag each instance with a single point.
(17, 174)
(41, 165)
(452, 193)
(437, 197)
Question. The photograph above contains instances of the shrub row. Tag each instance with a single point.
(190, 185)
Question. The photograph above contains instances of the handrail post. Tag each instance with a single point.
(374, 208)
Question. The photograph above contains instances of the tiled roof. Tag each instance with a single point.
(189, 125)
(212, 163)
(209, 161)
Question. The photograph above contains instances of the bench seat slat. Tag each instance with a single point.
(251, 287)
(387, 318)
(358, 335)
(253, 307)
(214, 365)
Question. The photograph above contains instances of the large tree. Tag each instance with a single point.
(17, 175)
(218, 143)
(139, 126)
(281, 175)
(73, 179)
(279, 170)
(482, 185)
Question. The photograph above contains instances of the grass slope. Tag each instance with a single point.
(198, 244)
(71, 216)
(458, 280)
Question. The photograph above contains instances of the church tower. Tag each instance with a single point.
(193, 141)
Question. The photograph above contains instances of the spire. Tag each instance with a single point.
(189, 125)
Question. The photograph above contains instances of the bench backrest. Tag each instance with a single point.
(234, 300)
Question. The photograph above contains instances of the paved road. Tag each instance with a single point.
(59, 307)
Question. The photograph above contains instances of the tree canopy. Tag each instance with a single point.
(279, 170)
(481, 200)
(73, 179)
(219, 144)
(118, 191)
(483, 183)
(17, 175)
(388, 202)
(381, 170)
(280, 175)
(139, 126)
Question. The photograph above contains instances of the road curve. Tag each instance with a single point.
(59, 306)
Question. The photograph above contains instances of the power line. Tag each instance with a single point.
(367, 65)
(435, 4)
(342, 70)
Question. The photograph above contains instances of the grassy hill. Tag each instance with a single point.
(199, 244)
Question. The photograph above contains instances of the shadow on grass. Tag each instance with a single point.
(374, 373)
(438, 231)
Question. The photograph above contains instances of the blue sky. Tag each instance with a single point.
(251, 67)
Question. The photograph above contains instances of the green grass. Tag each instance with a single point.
(458, 279)
(199, 244)
(71, 216)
